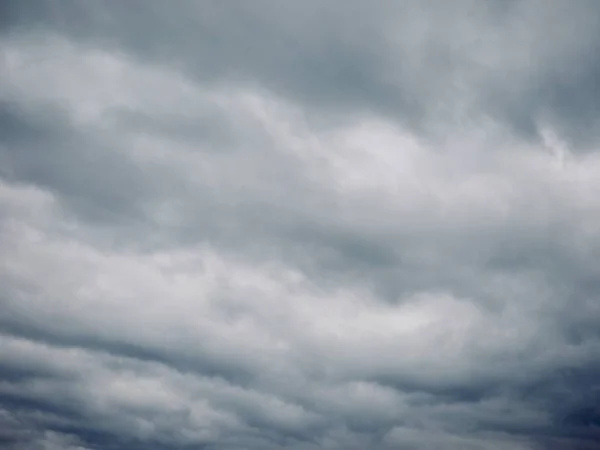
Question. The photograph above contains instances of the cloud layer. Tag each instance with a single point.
(299, 225)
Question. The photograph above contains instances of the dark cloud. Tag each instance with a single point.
(429, 64)
(305, 226)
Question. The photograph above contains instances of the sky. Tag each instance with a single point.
(299, 225)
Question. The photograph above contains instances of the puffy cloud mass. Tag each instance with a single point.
(299, 225)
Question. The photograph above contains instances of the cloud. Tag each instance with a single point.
(431, 65)
(279, 226)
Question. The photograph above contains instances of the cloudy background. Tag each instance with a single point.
(299, 225)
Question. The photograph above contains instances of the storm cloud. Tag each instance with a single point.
(299, 225)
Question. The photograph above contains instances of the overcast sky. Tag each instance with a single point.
(299, 225)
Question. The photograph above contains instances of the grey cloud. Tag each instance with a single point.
(430, 64)
(279, 226)
(46, 149)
